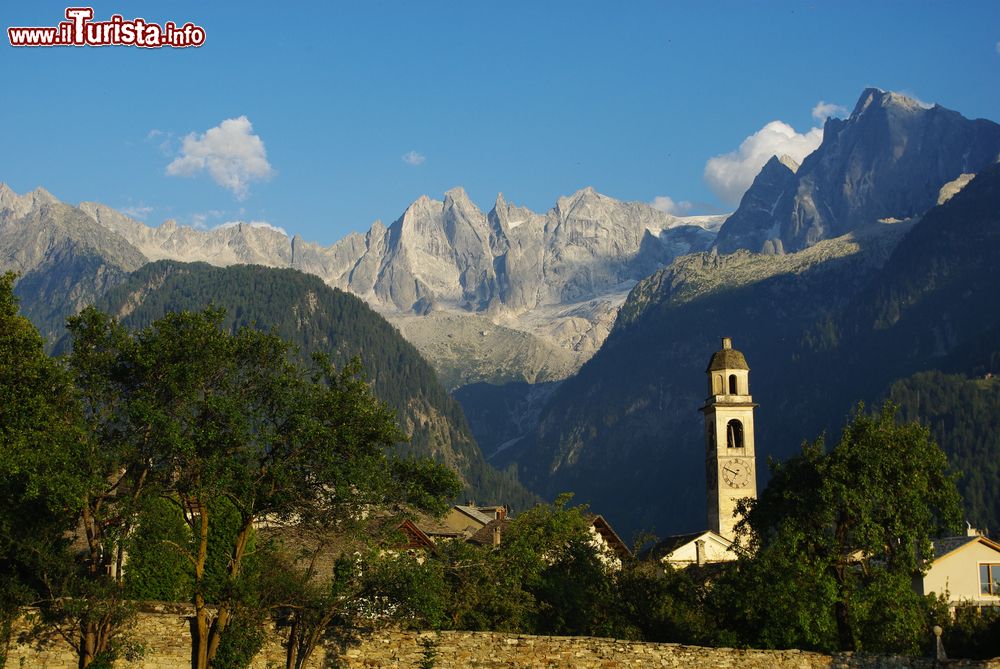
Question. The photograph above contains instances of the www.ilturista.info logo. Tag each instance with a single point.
(80, 30)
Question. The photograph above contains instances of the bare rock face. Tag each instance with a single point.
(559, 277)
(65, 259)
(889, 160)
(553, 281)
(743, 228)
(231, 244)
(34, 227)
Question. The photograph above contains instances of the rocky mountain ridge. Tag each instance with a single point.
(541, 282)
(822, 328)
(888, 160)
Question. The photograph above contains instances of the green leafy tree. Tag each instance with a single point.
(40, 433)
(233, 431)
(547, 576)
(836, 539)
(564, 570)
(317, 602)
(664, 604)
(157, 568)
(66, 500)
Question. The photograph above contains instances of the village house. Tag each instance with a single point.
(966, 569)
(487, 525)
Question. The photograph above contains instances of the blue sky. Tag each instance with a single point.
(534, 99)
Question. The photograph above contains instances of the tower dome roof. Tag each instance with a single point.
(727, 358)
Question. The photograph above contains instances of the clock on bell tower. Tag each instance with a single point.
(729, 455)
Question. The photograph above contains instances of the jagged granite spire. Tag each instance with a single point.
(888, 160)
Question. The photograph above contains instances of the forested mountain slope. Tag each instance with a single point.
(821, 330)
(317, 318)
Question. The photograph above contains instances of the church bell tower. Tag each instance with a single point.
(729, 453)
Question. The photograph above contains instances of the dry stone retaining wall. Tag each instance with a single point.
(165, 634)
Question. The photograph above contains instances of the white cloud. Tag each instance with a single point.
(231, 154)
(199, 220)
(667, 205)
(165, 141)
(413, 158)
(140, 211)
(730, 174)
(252, 224)
(824, 110)
(998, 47)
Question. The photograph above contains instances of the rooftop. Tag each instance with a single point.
(727, 358)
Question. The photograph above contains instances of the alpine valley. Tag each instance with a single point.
(574, 341)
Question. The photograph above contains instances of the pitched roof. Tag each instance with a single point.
(604, 528)
(415, 537)
(668, 545)
(474, 513)
(672, 543)
(945, 545)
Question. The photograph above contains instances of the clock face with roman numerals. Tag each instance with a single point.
(737, 472)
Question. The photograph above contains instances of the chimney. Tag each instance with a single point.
(699, 551)
(496, 535)
(727, 343)
(970, 531)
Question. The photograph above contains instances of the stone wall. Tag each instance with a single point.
(165, 634)
(487, 650)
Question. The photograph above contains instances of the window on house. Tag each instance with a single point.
(732, 384)
(989, 579)
(734, 439)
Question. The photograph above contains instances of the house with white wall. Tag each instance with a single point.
(966, 569)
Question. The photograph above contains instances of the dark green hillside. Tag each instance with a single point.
(302, 309)
(963, 414)
(625, 432)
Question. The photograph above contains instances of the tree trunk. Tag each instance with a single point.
(200, 629)
(88, 644)
(845, 633)
(292, 650)
(199, 634)
(224, 614)
(218, 627)
(309, 645)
